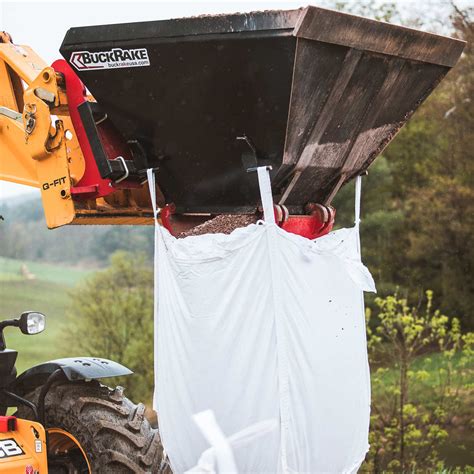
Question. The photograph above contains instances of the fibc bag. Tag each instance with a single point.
(263, 324)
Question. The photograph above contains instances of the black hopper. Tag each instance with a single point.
(317, 93)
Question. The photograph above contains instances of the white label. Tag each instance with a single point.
(38, 446)
(9, 447)
(112, 59)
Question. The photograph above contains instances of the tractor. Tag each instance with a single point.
(67, 421)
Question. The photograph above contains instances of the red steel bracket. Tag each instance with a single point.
(165, 216)
(76, 95)
(319, 222)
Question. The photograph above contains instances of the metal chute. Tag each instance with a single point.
(316, 93)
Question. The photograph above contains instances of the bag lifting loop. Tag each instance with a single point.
(264, 183)
(150, 173)
(358, 190)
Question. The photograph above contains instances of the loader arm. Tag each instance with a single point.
(39, 146)
(33, 149)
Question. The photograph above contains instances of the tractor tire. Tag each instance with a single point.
(108, 429)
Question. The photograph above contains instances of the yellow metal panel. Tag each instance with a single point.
(33, 150)
(31, 439)
(23, 60)
(55, 185)
(7, 92)
(16, 164)
(47, 147)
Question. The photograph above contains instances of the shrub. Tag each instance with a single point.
(111, 316)
(421, 369)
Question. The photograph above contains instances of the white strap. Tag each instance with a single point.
(152, 187)
(207, 424)
(156, 209)
(358, 188)
(222, 451)
(266, 194)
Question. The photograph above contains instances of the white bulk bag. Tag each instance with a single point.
(263, 324)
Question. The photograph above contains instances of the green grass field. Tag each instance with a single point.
(10, 270)
(47, 293)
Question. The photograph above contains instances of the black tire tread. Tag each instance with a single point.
(112, 430)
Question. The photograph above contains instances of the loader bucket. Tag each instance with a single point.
(316, 94)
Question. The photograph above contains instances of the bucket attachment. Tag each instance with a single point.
(316, 94)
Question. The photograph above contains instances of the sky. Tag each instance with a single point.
(42, 25)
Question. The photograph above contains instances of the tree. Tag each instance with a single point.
(443, 207)
(414, 399)
(418, 199)
(111, 316)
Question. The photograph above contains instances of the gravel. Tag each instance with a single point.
(223, 224)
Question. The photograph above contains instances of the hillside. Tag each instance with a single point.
(23, 234)
(47, 293)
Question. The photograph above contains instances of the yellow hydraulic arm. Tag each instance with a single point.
(38, 145)
(33, 122)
